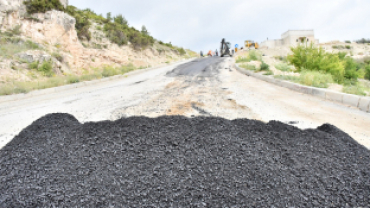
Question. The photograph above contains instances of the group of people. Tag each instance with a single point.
(210, 53)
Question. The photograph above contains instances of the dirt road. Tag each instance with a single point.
(208, 86)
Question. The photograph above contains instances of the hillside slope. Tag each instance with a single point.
(41, 45)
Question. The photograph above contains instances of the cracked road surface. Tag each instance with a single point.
(201, 87)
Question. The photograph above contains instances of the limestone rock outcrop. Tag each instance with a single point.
(55, 31)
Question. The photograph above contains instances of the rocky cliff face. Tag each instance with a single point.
(55, 31)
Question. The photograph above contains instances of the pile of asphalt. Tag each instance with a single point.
(182, 162)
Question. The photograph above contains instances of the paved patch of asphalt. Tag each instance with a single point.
(174, 161)
(202, 67)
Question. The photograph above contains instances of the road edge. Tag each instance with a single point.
(360, 102)
(6, 98)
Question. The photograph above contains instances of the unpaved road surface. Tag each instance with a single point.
(141, 158)
(202, 87)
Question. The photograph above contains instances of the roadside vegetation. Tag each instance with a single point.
(313, 66)
(339, 65)
(253, 56)
(16, 87)
(309, 78)
(317, 68)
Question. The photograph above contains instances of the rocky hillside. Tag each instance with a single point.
(30, 40)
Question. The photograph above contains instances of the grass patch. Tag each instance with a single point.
(10, 46)
(25, 87)
(283, 67)
(288, 78)
(242, 59)
(309, 78)
(315, 79)
(269, 72)
(253, 55)
(72, 79)
(248, 66)
(356, 87)
(8, 50)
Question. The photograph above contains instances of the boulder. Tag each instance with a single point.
(34, 55)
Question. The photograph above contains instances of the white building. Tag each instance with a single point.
(291, 38)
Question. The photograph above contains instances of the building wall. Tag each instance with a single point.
(290, 38)
(272, 43)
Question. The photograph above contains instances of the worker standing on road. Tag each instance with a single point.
(216, 52)
(201, 53)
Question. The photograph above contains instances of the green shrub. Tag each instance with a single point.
(351, 67)
(264, 66)
(109, 71)
(316, 59)
(334, 47)
(283, 67)
(16, 30)
(348, 47)
(367, 72)
(342, 55)
(42, 6)
(46, 68)
(181, 51)
(347, 41)
(33, 65)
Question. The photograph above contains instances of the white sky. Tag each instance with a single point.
(201, 24)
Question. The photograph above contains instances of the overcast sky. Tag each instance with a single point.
(201, 24)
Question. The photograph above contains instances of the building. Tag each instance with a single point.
(291, 38)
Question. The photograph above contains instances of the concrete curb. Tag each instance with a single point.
(6, 98)
(363, 103)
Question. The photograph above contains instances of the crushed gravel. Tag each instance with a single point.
(182, 162)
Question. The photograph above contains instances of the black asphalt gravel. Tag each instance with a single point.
(182, 162)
